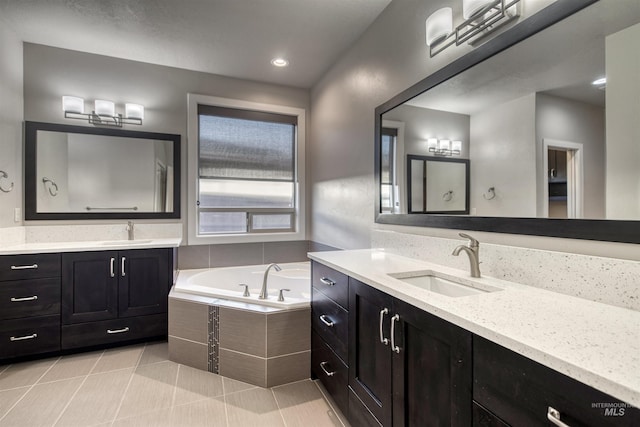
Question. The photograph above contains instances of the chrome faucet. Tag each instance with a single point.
(263, 292)
(472, 250)
(130, 229)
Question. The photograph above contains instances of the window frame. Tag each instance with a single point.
(299, 210)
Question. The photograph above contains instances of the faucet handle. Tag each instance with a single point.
(280, 296)
(246, 290)
(474, 243)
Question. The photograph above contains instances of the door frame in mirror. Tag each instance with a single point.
(623, 231)
(30, 172)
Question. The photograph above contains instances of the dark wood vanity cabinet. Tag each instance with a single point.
(29, 304)
(406, 367)
(114, 296)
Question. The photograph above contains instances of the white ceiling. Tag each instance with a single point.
(228, 37)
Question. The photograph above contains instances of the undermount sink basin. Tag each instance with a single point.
(125, 242)
(449, 286)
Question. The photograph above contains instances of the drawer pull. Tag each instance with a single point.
(394, 347)
(323, 366)
(33, 298)
(383, 340)
(24, 267)
(553, 415)
(324, 319)
(26, 337)
(327, 281)
(117, 331)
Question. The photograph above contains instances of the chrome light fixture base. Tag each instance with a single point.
(116, 121)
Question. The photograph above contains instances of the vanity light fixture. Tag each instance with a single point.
(444, 147)
(480, 18)
(103, 114)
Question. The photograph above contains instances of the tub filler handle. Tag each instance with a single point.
(280, 296)
(246, 290)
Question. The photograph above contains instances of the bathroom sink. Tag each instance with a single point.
(125, 242)
(449, 286)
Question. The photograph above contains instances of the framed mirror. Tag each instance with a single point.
(553, 149)
(79, 172)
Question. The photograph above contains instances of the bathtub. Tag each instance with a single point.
(224, 283)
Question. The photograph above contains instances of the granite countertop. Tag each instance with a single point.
(595, 343)
(102, 245)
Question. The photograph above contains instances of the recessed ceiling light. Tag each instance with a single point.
(279, 62)
(600, 81)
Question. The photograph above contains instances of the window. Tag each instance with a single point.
(388, 178)
(245, 171)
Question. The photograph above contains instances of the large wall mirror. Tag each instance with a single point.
(78, 172)
(548, 116)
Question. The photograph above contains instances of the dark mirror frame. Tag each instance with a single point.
(30, 183)
(625, 231)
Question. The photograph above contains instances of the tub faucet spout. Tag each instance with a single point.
(263, 293)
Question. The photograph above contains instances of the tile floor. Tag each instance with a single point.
(139, 386)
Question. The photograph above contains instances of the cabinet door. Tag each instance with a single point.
(89, 286)
(144, 282)
(369, 358)
(431, 370)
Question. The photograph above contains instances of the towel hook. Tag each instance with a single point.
(50, 187)
(3, 174)
(448, 196)
(491, 193)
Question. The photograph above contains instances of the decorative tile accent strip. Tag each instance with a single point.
(214, 339)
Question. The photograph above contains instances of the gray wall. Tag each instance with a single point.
(11, 108)
(50, 73)
(389, 57)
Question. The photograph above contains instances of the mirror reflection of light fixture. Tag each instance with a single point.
(481, 17)
(103, 114)
(444, 147)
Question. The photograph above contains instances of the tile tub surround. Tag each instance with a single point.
(139, 386)
(594, 343)
(606, 280)
(265, 348)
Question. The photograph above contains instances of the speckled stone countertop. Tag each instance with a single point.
(101, 245)
(595, 343)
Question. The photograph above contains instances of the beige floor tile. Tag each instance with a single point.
(42, 405)
(152, 388)
(194, 384)
(302, 401)
(8, 398)
(210, 412)
(255, 407)
(158, 418)
(154, 353)
(71, 366)
(234, 386)
(23, 374)
(119, 358)
(97, 400)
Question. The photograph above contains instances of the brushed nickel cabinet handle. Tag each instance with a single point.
(24, 267)
(553, 415)
(323, 366)
(383, 340)
(394, 347)
(33, 298)
(327, 281)
(26, 337)
(324, 319)
(112, 269)
(118, 331)
(122, 266)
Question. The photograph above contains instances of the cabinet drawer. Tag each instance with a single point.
(330, 370)
(484, 418)
(520, 392)
(34, 335)
(330, 282)
(25, 298)
(331, 322)
(113, 331)
(31, 266)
